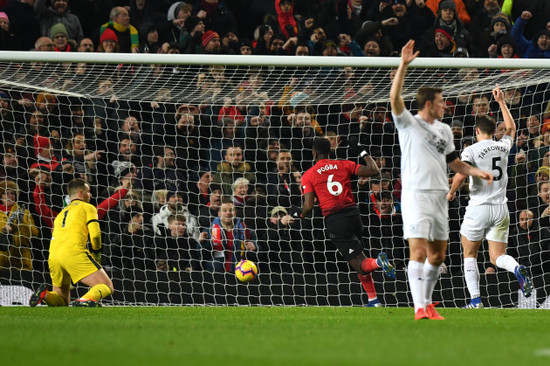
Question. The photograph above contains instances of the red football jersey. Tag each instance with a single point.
(330, 180)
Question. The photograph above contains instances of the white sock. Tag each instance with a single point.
(507, 262)
(415, 273)
(471, 275)
(431, 274)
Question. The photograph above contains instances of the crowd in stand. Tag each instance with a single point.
(198, 186)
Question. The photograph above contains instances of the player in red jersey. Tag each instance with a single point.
(330, 181)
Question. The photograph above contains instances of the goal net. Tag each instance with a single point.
(167, 141)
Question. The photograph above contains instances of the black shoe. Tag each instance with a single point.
(85, 304)
(38, 296)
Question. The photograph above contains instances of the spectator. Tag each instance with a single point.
(240, 193)
(151, 43)
(284, 242)
(175, 27)
(191, 39)
(447, 16)
(58, 33)
(58, 12)
(17, 229)
(482, 16)
(285, 18)
(283, 182)
(531, 242)
(175, 206)
(443, 45)
(538, 47)
(231, 168)
(176, 246)
(127, 34)
(210, 41)
(8, 40)
(163, 174)
(457, 6)
(208, 211)
(132, 248)
(85, 45)
(44, 44)
(500, 27)
(231, 241)
(108, 42)
(23, 22)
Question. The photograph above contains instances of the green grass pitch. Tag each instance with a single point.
(271, 336)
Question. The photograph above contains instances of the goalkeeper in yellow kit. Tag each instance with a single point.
(70, 261)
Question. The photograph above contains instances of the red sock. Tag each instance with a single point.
(368, 285)
(369, 264)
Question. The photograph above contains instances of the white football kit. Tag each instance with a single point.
(487, 213)
(424, 150)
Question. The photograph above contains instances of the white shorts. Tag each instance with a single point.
(425, 215)
(491, 222)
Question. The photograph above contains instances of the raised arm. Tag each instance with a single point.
(407, 56)
(369, 170)
(508, 119)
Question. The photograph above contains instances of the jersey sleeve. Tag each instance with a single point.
(450, 147)
(508, 141)
(307, 185)
(404, 120)
(93, 227)
(467, 156)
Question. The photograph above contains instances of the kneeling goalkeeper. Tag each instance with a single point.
(70, 261)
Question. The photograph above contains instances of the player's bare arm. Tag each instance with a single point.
(369, 170)
(458, 181)
(461, 167)
(307, 207)
(508, 119)
(407, 56)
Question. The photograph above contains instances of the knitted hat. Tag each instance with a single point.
(40, 143)
(4, 95)
(330, 43)
(502, 18)
(108, 34)
(4, 16)
(58, 28)
(506, 39)
(457, 123)
(447, 4)
(446, 31)
(191, 23)
(121, 168)
(208, 36)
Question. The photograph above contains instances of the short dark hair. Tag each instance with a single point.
(426, 93)
(76, 185)
(486, 124)
(321, 145)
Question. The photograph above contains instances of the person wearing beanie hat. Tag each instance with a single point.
(4, 21)
(59, 36)
(191, 24)
(127, 34)
(211, 42)
(456, 5)
(58, 12)
(108, 42)
(538, 47)
(444, 44)
(245, 46)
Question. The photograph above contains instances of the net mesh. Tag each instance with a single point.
(156, 143)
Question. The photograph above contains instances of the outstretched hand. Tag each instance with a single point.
(498, 94)
(407, 52)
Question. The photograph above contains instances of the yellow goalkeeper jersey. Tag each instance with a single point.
(73, 225)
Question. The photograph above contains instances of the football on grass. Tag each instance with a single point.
(246, 271)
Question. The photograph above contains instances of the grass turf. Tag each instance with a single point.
(271, 336)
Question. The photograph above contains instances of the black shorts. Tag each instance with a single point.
(345, 230)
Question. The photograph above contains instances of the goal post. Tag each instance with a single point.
(167, 122)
